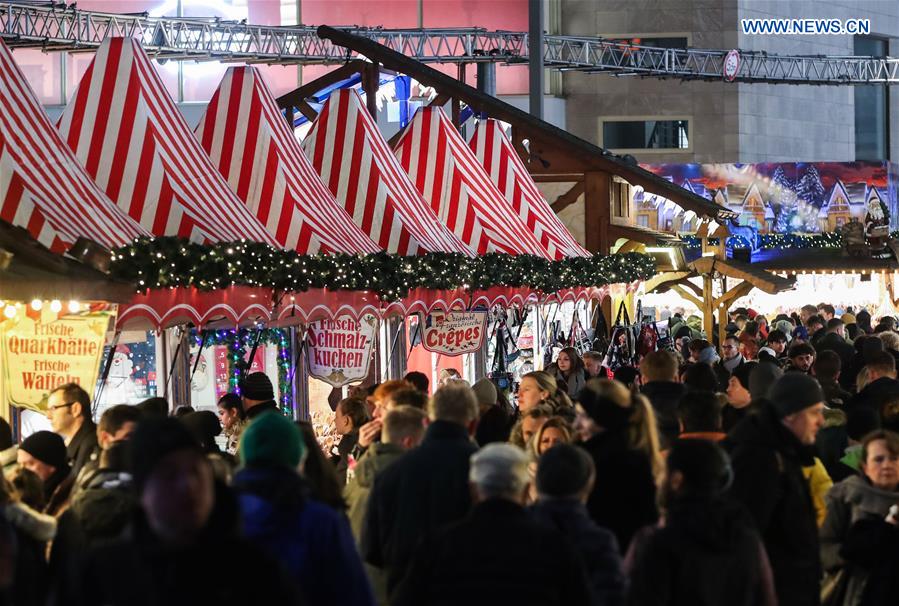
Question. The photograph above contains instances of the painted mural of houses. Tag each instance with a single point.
(836, 211)
(646, 209)
(858, 193)
(752, 209)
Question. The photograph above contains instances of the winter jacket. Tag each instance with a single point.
(341, 458)
(834, 342)
(497, 555)
(819, 483)
(596, 546)
(372, 463)
(573, 384)
(32, 531)
(832, 440)
(624, 494)
(664, 397)
(767, 461)
(217, 568)
(255, 411)
(706, 554)
(873, 544)
(849, 501)
(876, 394)
(311, 541)
(495, 425)
(423, 490)
(82, 446)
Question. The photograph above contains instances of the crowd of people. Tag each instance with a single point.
(761, 470)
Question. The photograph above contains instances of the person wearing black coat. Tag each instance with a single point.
(874, 544)
(707, 552)
(624, 495)
(882, 385)
(834, 340)
(425, 489)
(768, 451)
(498, 554)
(660, 386)
(565, 477)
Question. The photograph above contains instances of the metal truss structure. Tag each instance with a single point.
(54, 27)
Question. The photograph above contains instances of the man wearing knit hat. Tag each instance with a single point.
(258, 395)
(44, 453)
(769, 450)
(312, 542)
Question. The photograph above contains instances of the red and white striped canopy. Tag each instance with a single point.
(447, 173)
(43, 188)
(126, 130)
(251, 144)
(348, 151)
(496, 154)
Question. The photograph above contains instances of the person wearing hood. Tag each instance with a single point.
(769, 450)
(706, 552)
(183, 546)
(311, 541)
(403, 430)
(867, 496)
(659, 373)
(624, 494)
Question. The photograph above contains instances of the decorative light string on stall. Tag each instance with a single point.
(781, 241)
(171, 262)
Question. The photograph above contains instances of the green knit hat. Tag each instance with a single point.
(271, 440)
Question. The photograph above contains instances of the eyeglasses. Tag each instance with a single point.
(61, 406)
(881, 459)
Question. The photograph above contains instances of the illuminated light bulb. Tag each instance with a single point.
(55, 306)
(37, 304)
(10, 311)
(74, 307)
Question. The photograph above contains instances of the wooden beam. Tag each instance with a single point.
(597, 211)
(306, 110)
(370, 84)
(568, 198)
(740, 290)
(288, 116)
(307, 90)
(391, 143)
(629, 246)
(687, 295)
(708, 307)
(440, 100)
(665, 278)
(558, 178)
(455, 113)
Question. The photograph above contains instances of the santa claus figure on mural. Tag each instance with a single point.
(877, 224)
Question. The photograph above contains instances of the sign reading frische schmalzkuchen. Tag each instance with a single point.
(339, 350)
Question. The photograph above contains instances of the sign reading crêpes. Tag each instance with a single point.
(454, 333)
(44, 350)
(339, 350)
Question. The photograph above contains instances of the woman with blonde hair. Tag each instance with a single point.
(541, 388)
(555, 430)
(618, 429)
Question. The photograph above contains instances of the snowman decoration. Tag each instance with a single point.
(119, 385)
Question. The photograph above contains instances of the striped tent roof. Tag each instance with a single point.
(448, 174)
(126, 130)
(347, 149)
(498, 157)
(42, 187)
(249, 141)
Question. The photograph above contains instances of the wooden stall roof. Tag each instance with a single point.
(753, 274)
(552, 150)
(36, 273)
(644, 235)
(820, 260)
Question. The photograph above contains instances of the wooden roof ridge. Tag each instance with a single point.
(762, 279)
(588, 155)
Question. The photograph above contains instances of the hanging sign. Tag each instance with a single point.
(454, 333)
(44, 350)
(339, 350)
(731, 65)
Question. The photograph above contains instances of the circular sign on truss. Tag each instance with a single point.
(731, 65)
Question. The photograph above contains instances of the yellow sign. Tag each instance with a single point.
(43, 350)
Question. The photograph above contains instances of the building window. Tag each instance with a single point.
(872, 106)
(646, 134)
(643, 220)
(621, 199)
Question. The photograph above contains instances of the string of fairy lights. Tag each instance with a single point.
(781, 241)
(168, 262)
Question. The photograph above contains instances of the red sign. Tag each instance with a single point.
(454, 333)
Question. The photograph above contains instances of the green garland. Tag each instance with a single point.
(172, 262)
(240, 343)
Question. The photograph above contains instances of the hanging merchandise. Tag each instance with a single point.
(623, 343)
(499, 373)
(648, 336)
(578, 338)
(600, 331)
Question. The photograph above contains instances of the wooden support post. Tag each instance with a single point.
(568, 198)
(722, 325)
(370, 84)
(597, 211)
(288, 115)
(708, 307)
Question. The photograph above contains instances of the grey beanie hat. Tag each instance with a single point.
(793, 392)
